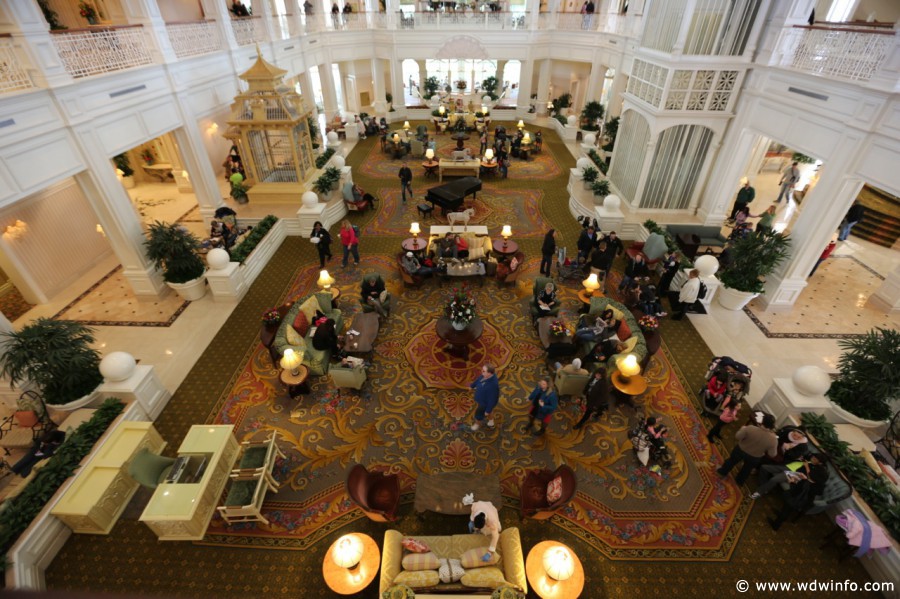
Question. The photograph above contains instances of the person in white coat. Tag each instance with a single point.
(486, 520)
(688, 294)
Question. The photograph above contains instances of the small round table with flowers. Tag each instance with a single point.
(458, 341)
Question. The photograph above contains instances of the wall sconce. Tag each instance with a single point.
(292, 361)
(591, 284)
(325, 280)
(406, 125)
(347, 552)
(628, 367)
(16, 230)
(429, 154)
(506, 233)
(558, 563)
(489, 154)
(520, 124)
(415, 230)
(185, 176)
(212, 129)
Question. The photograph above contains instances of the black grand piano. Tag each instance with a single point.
(450, 196)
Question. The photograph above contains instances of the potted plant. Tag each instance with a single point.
(431, 86)
(57, 357)
(601, 190)
(589, 176)
(869, 379)
(124, 170)
(327, 181)
(489, 85)
(460, 309)
(173, 249)
(88, 11)
(590, 115)
(752, 259)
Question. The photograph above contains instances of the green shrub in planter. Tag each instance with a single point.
(324, 158)
(327, 180)
(590, 174)
(869, 374)
(431, 86)
(590, 115)
(240, 252)
(601, 188)
(123, 164)
(562, 120)
(173, 249)
(753, 258)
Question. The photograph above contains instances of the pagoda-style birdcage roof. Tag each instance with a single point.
(268, 100)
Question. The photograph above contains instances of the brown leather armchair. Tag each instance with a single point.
(376, 494)
(534, 492)
(505, 275)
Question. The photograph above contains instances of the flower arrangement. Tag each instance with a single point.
(87, 10)
(271, 317)
(461, 306)
(559, 328)
(461, 84)
(648, 323)
(147, 156)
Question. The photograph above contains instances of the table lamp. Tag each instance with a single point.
(347, 552)
(628, 367)
(292, 361)
(591, 284)
(488, 154)
(484, 109)
(550, 105)
(506, 233)
(325, 280)
(415, 230)
(520, 124)
(558, 563)
(396, 138)
(526, 139)
(429, 154)
(441, 110)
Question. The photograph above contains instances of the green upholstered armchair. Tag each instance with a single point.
(149, 469)
(316, 360)
(570, 384)
(536, 289)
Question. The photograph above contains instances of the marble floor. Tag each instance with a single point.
(174, 349)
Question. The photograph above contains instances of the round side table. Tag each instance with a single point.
(296, 385)
(345, 581)
(543, 584)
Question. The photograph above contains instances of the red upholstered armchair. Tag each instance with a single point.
(534, 492)
(376, 494)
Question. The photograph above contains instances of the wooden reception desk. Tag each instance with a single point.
(182, 511)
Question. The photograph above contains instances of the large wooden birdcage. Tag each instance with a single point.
(269, 125)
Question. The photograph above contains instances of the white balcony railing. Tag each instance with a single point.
(842, 52)
(248, 30)
(462, 20)
(286, 27)
(87, 52)
(12, 76)
(194, 38)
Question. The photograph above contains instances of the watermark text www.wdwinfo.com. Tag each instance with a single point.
(814, 585)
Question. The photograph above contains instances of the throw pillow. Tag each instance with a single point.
(444, 571)
(26, 418)
(456, 570)
(554, 490)
(513, 264)
(490, 578)
(617, 314)
(624, 331)
(414, 545)
(384, 296)
(301, 324)
(472, 558)
(476, 253)
(418, 579)
(630, 344)
(309, 307)
(294, 338)
(420, 561)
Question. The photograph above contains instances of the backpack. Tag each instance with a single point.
(702, 292)
(358, 234)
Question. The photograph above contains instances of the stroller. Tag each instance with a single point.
(740, 231)
(724, 376)
(573, 270)
(646, 447)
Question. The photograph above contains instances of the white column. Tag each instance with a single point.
(543, 91)
(26, 24)
(499, 75)
(328, 91)
(687, 19)
(214, 9)
(262, 9)
(823, 211)
(146, 13)
(595, 83)
(616, 95)
(887, 297)
(379, 104)
(645, 169)
(397, 85)
(197, 164)
(525, 75)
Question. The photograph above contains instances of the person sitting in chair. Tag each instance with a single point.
(42, 449)
(325, 337)
(447, 246)
(373, 294)
(412, 266)
(462, 246)
(546, 299)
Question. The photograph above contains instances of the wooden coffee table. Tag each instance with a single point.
(367, 325)
(443, 492)
(556, 346)
(629, 388)
(459, 341)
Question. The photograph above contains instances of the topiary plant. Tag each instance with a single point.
(753, 258)
(869, 374)
(173, 249)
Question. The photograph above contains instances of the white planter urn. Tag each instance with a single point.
(459, 325)
(192, 290)
(79, 403)
(732, 299)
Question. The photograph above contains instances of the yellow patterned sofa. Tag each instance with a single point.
(511, 567)
(480, 246)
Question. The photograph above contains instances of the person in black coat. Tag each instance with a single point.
(596, 391)
(547, 251)
(325, 337)
(587, 241)
(613, 244)
(406, 177)
(601, 261)
(324, 244)
(670, 269)
(636, 269)
(42, 449)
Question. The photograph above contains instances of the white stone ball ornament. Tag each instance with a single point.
(332, 137)
(338, 161)
(612, 203)
(590, 139)
(707, 265)
(583, 163)
(309, 199)
(117, 366)
(571, 120)
(217, 259)
(811, 381)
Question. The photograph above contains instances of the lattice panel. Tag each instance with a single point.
(86, 53)
(692, 90)
(194, 39)
(12, 76)
(647, 81)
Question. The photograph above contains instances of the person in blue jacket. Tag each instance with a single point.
(543, 403)
(487, 394)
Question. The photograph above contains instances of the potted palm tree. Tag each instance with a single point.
(869, 380)
(753, 258)
(173, 249)
(56, 356)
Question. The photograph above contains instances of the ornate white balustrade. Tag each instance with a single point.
(13, 76)
(248, 30)
(462, 20)
(841, 52)
(194, 38)
(87, 52)
(286, 27)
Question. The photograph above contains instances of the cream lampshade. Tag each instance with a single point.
(347, 551)
(406, 125)
(591, 284)
(489, 154)
(550, 105)
(628, 366)
(429, 154)
(484, 109)
(526, 139)
(441, 110)
(506, 233)
(521, 124)
(325, 280)
(292, 361)
(558, 563)
(415, 230)
(396, 137)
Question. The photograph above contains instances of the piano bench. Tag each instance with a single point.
(425, 210)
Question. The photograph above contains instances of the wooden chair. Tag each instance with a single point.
(20, 429)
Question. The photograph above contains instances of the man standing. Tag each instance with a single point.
(405, 180)
(587, 241)
(789, 178)
(854, 215)
(754, 441)
(745, 195)
(688, 294)
(670, 269)
(487, 394)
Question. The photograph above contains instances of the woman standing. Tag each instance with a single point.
(766, 219)
(350, 242)
(547, 251)
(324, 244)
(543, 403)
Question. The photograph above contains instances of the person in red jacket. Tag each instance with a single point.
(350, 242)
(830, 248)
